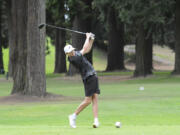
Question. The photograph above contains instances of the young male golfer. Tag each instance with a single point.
(89, 78)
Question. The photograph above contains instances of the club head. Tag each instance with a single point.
(41, 25)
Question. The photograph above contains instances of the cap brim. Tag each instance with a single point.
(70, 50)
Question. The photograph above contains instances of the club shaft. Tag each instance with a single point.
(52, 26)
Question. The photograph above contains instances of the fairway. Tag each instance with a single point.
(153, 111)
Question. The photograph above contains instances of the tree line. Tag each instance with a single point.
(139, 22)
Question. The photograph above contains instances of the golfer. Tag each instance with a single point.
(89, 78)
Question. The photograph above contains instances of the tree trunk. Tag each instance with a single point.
(10, 34)
(35, 79)
(149, 52)
(1, 59)
(84, 25)
(143, 53)
(60, 58)
(60, 42)
(177, 38)
(116, 43)
(19, 46)
(1, 52)
(28, 54)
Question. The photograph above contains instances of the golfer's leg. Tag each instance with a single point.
(95, 105)
(83, 105)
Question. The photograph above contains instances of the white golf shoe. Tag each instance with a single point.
(72, 121)
(96, 124)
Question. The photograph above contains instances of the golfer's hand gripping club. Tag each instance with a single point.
(91, 36)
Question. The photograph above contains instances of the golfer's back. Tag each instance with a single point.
(81, 63)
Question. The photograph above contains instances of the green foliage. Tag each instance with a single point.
(48, 45)
(80, 8)
(136, 11)
(56, 9)
(143, 11)
(102, 6)
(4, 23)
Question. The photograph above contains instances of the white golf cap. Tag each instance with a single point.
(68, 48)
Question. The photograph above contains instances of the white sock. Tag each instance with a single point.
(74, 115)
(96, 120)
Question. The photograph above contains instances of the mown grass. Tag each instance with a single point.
(154, 111)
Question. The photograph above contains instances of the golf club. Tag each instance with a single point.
(61, 28)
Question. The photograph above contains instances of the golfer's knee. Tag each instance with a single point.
(87, 101)
(95, 97)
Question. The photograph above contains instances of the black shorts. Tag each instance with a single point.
(91, 86)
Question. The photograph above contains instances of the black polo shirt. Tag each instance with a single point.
(81, 63)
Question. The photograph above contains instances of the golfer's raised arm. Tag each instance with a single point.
(88, 44)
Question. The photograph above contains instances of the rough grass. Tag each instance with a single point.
(6, 58)
(154, 111)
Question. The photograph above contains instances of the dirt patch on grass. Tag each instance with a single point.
(75, 78)
(18, 98)
(118, 78)
(103, 79)
(156, 65)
